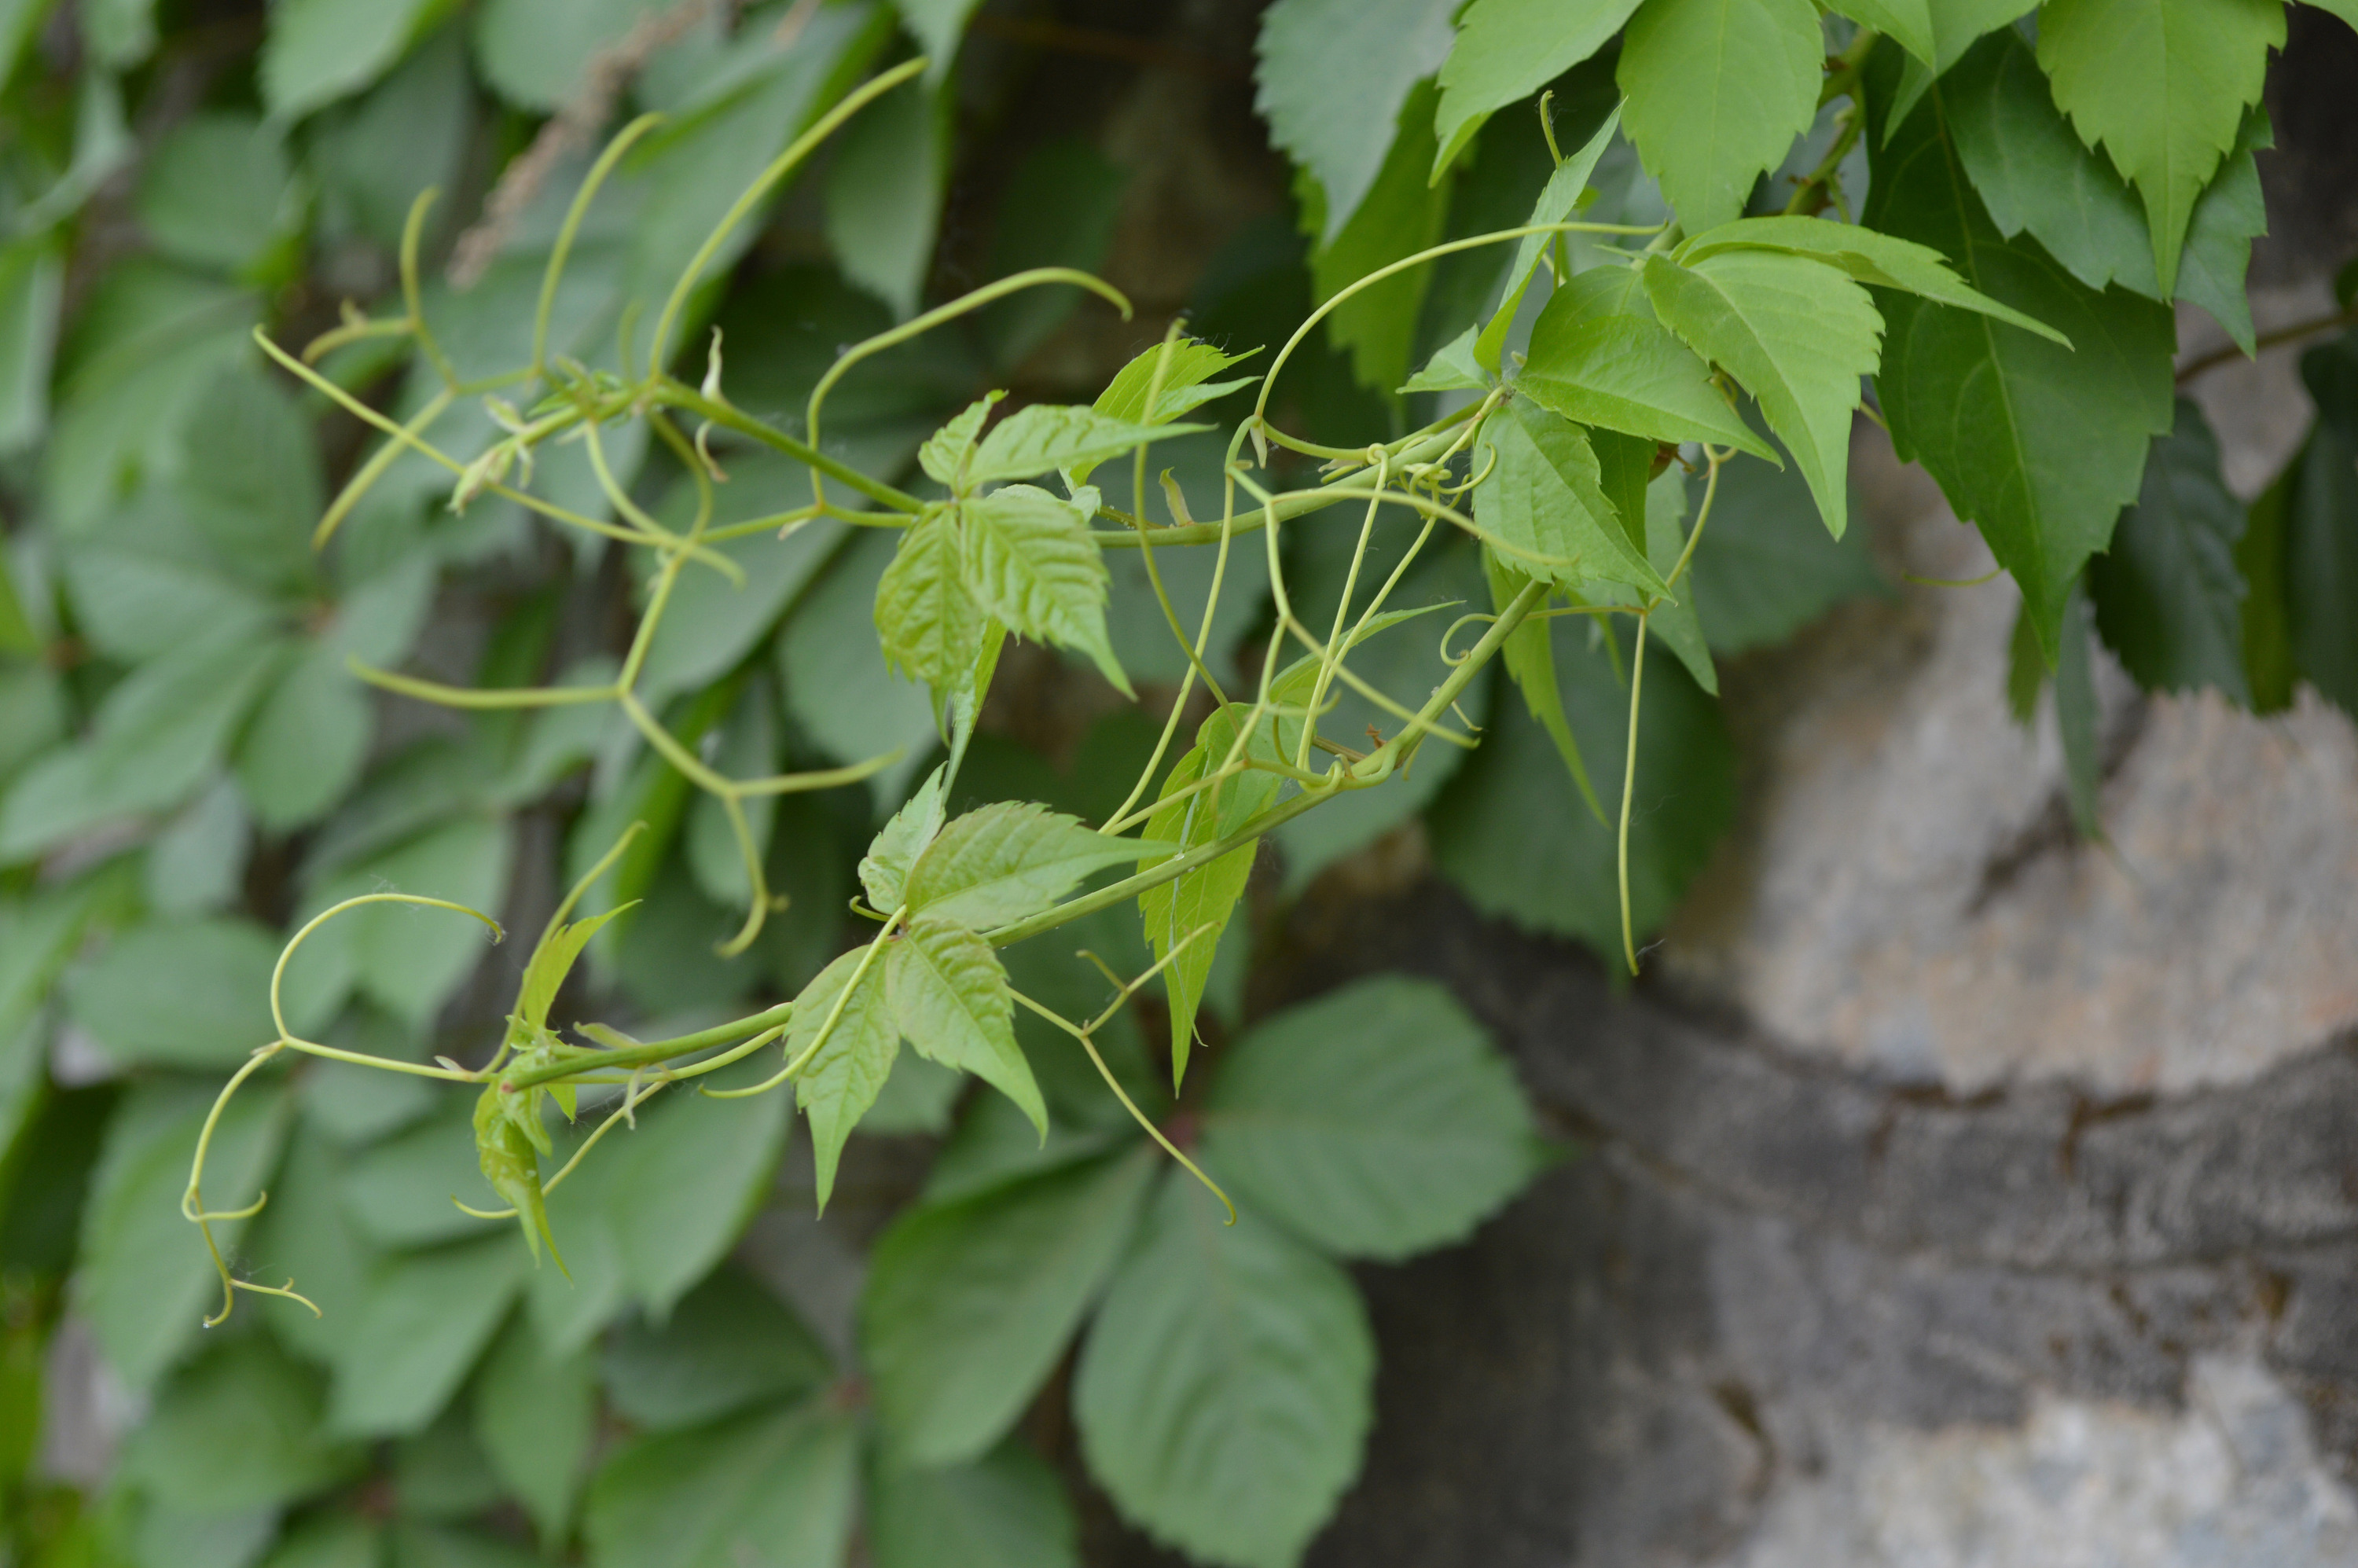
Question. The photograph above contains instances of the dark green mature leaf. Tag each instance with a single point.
(320, 51)
(1224, 1391)
(406, 960)
(2320, 534)
(1795, 334)
(1767, 568)
(1058, 209)
(1674, 621)
(2076, 716)
(950, 998)
(773, 1490)
(1032, 566)
(970, 1304)
(1377, 1121)
(2228, 216)
(1530, 657)
(928, 622)
(848, 1071)
(1509, 50)
(1006, 1510)
(2268, 664)
(730, 1343)
(686, 1181)
(303, 750)
(399, 1191)
(884, 196)
(2163, 88)
(1509, 832)
(535, 51)
(239, 1429)
(1333, 75)
(1005, 862)
(2168, 597)
(1032, 441)
(711, 623)
(144, 1280)
(192, 994)
(1541, 503)
(535, 1413)
(1718, 91)
(1599, 356)
(329, 1539)
(218, 192)
(2039, 446)
(1401, 215)
(426, 1318)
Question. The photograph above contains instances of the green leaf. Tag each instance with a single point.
(121, 33)
(183, 994)
(1226, 1390)
(926, 620)
(320, 51)
(545, 972)
(2025, 670)
(2228, 216)
(844, 1079)
(2320, 533)
(1908, 23)
(1032, 566)
(1795, 335)
(399, 1192)
(1401, 215)
(970, 1305)
(142, 1278)
(772, 1489)
(728, 1344)
(685, 1182)
(1377, 1121)
(1452, 368)
(2268, 663)
(304, 1234)
(884, 870)
(884, 196)
(1767, 568)
(427, 1317)
(239, 1429)
(1186, 370)
(1541, 501)
(373, 156)
(218, 192)
(406, 960)
(2168, 597)
(32, 273)
(1509, 50)
(534, 1415)
(1884, 260)
(430, 1546)
(1558, 200)
(1008, 1509)
(1042, 436)
(1530, 657)
(2076, 714)
(1006, 860)
(949, 997)
(937, 25)
(839, 687)
(302, 753)
(1508, 831)
(1599, 356)
(2163, 85)
(1058, 209)
(1206, 896)
(1675, 622)
(1333, 75)
(1718, 92)
(330, 1540)
(711, 623)
(536, 52)
(946, 452)
(2037, 446)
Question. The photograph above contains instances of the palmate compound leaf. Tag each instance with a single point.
(1003, 861)
(2167, 596)
(2162, 86)
(775, 1488)
(970, 1304)
(844, 1079)
(1795, 333)
(1509, 50)
(1541, 506)
(928, 624)
(1718, 92)
(1885, 260)
(1599, 356)
(1032, 565)
(1377, 1121)
(2039, 447)
(1206, 896)
(1226, 1388)
(949, 997)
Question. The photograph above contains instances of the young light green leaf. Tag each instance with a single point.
(1674, 621)
(506, 1150)
(1795, 334)
(970, 1303)
(1003, 861)
(1332, 76)
(1007, 1509)
(1377, 1121)
(884, 870)
(1885, 260)
(1032, 566)
(2168, 597)
(949, 997)
(551, 962)
(1541, 501)
(1045, 436)
(1908, 23)
(731, 1343)
(2162, 86)
(1557, 200)
(1452, 368)
(927, 622)
(1509, 50)
(1718, 91)
(534, 1415)
(2039, 447)
(1208, 895)
(852, 1064)
(945, 453)
(1599, 356)
(1226, 1390)
(1186, 370)
(1529, 658)
(771, 1490)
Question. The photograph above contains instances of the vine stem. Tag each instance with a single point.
(1629, 789)
(2273, 339)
